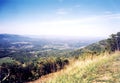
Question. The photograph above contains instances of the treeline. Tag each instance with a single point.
(106, 46)
(114, 42)
(19, 73)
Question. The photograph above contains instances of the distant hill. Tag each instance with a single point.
(13, 45)
(23, 48)
(108, 45)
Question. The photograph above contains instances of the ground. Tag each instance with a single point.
(101, 69)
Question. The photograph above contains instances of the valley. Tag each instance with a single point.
(25, 59)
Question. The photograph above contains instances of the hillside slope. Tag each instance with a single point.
(102, 69)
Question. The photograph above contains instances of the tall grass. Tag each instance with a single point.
(82, 70)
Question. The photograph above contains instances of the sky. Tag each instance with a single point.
(82, 18)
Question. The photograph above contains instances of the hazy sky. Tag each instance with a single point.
(95, 18)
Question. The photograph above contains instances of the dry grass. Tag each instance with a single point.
(99, 69)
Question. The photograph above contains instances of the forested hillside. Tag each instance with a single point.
(19, 71)
(108, 46)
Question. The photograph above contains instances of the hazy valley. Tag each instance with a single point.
(25, 59)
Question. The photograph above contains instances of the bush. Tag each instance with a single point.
(32, 71)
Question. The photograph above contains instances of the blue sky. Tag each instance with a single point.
(94, 18)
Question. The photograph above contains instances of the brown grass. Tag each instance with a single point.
(100, 69)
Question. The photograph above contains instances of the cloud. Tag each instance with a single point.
(100, 25)
(64, 11)
(108, 12)
(61, 11)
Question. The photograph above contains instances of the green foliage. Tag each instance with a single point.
(19, 72)
(6, 60)
(109, 45)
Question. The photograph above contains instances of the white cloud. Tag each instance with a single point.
(90, 26)
(107, 12)
(61, 11)
(64, 11)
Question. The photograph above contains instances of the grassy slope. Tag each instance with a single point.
(101, 69)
